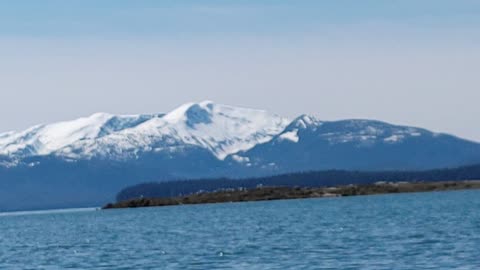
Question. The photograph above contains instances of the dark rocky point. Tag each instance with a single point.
(284, 193)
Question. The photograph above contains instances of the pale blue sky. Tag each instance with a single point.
(152, 18)
(406, 62)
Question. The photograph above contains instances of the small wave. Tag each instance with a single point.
(44, 212)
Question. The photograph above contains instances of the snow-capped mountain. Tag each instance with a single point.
(84, 162)
(362, 132)
(310, 144)
(47, 139)
(221, 129)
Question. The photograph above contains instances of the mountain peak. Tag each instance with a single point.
(100, 115)
(218, 128)
(191, 113)
(304, 121)
(221, 128)
(206, 103)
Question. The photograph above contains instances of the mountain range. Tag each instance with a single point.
(85, 162)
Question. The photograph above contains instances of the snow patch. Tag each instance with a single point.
(240, 159)
(290, 136)
(305, 121)
(394, 138)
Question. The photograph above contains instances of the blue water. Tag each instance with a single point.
(407, 231)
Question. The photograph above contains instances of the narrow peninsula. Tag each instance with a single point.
(284, 193)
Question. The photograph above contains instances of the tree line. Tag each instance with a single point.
(302, 179)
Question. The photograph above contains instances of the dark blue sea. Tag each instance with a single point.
(438, 230)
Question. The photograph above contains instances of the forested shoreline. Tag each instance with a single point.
(316, 179)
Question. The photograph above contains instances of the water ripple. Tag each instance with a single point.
(407, 231)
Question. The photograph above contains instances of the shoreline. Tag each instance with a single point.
(285, 193)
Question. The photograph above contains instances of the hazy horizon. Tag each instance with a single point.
(408, 63)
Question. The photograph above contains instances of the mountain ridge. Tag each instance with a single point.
(204, 123)
(85, 162)
(65, 138)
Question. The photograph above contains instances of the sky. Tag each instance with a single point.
(406, 62)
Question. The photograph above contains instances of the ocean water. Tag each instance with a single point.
(404, 231)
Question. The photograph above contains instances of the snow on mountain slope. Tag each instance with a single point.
(6, 134)
(221, 129)
(47, 139)
(291, 132)
(366, 132)
(308, 144)
(224, 129)
(358, 131)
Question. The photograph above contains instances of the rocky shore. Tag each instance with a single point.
(283, 193)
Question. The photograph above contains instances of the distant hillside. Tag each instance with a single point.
(305, 179)
(308, 144)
